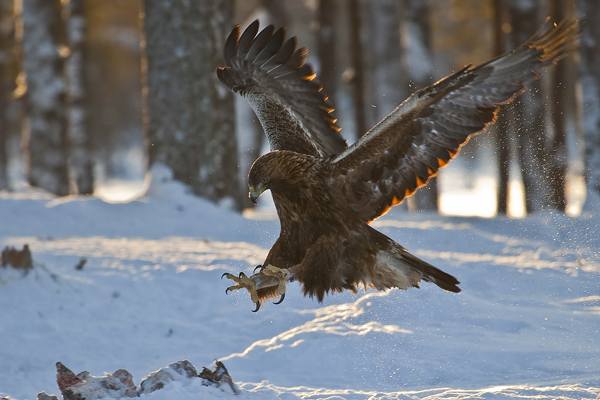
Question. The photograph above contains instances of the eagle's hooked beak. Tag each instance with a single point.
(255, 192)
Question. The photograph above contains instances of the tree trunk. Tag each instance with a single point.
(589, 49)
(501, 129)
(222, 144)
(420, 63)
(561, 86)
(46, 112)
(383, 86)
(113, 78)
(7, 81)
(277, 11)
(191, 118)
(326, 46)
(531, 114)
(82, 164)
(531, 139)
(357, 65)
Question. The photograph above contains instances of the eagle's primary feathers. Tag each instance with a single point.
(325, 193)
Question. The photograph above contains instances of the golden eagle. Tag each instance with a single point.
(326, 193)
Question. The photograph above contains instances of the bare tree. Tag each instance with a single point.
(7, 81)
(383, 85)
(113, 83)
(356, 76)
(326, 45)
(277, 11)
(82, 162)
(589, 49)
(562, 94)
(500, 129)
(533, 141)
(420, 70)
(190, 127)
(46, 112)
(224, 182)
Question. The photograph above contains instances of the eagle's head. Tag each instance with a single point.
(258, 179)
(277, 169)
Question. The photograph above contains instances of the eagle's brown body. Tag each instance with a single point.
(327, 193)
(330, 247)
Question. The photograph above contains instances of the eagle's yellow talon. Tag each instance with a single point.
(243, 282)
(268, 276)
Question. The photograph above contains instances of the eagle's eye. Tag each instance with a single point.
(264, 180)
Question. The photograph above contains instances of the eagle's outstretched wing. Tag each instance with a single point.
(425, 132)
(280, 87)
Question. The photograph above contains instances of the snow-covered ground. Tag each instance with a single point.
(527, 323)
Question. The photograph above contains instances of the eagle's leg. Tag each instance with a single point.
(282, 275)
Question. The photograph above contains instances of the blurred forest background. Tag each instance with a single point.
(97, 90)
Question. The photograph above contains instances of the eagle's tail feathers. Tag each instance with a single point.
(398, 268)
(429, 273)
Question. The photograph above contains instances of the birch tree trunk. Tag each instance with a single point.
(46, 113)
(420, 72)
(190, 115)
(82, 160)
(589, 50)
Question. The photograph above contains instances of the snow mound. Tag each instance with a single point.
(525, 325)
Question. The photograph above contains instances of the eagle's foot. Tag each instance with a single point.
(269, 277)
(243, 282)
(282, 275)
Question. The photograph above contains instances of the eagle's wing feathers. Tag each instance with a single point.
(280, 87)
(425, 132)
